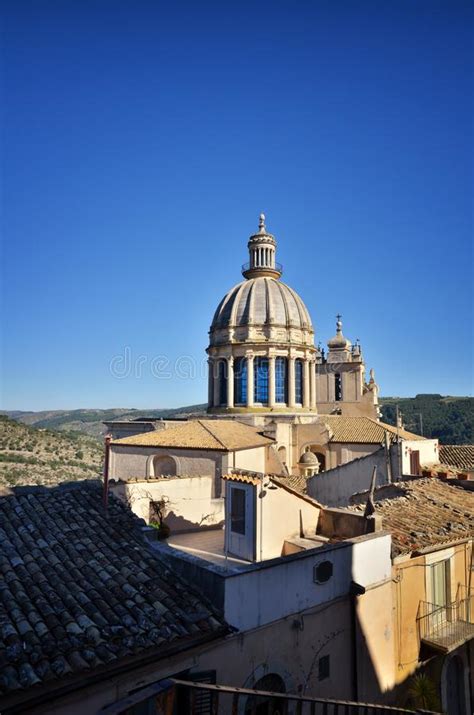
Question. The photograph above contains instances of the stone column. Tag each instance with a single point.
(216, 382)
(312, 384)
(291, 381)
(230, 381)
(271, 381)
(306, 383)
(250, 378)
(210, 382)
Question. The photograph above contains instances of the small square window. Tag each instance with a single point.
(323, 667)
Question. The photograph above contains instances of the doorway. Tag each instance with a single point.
(240, 523)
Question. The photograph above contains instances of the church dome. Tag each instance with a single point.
(261, 341)
(261, 301)
(308, 458)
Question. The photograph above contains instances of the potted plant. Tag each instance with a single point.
(157, 518)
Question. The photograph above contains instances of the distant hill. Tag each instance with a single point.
(450, 419)
(90, 422)
(37, 456)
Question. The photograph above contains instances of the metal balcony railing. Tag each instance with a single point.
(447, 627)
(182, 697)
(277, 267)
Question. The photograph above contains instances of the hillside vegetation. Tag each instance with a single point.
(90, 422)
(38, 456)
(450, 419)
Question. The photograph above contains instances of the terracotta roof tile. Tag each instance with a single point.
(363, 430)
(222, 435)
(460, 456)
(423, 512)
(79, 590)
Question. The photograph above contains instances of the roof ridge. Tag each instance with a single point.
(212, 433)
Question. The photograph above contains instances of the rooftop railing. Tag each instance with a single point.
(176, 697)
(446, 627)
(277, 267)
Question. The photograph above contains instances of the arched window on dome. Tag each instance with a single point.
(222, 376)
(281, 380)
(240, 381)
(299, 381)
(261, 380)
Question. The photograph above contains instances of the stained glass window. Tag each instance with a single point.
(281, 381)
(222, 382)
(261, 380)
(299, 382)
(240, 381)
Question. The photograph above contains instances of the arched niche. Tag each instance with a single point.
(164, 465)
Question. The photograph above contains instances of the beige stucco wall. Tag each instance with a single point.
(128, 461)
(278, 517)
(190, 502)
(375, 641)
(411, 584)
(252, 459)
(308, 636)
(428, 449)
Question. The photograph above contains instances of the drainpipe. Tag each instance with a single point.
(105, 496)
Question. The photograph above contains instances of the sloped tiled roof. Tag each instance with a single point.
(363, 430)
(79, 590)
(295, 481)
(423, 512)
(460, 456)
(222, 435)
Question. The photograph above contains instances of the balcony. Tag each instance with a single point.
(180, 697)
(274, 271)
(445, 628)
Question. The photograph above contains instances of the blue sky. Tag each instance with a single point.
(142, 139)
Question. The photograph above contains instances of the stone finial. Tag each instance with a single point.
(338, 323)
(261, 223)
(372, 375)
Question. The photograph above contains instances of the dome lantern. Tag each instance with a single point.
(262, 250)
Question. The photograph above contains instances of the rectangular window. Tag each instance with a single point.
(299, 382)
(261, 380)
(237, 510)
(338, 387)
(281, 380)
(323, 667)
(222, 375)
(240, 381)
(439, 583)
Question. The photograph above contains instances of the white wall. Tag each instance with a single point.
(277, 590)
(428, 448)
(278, 518)
(251, 459)
(190, 506)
